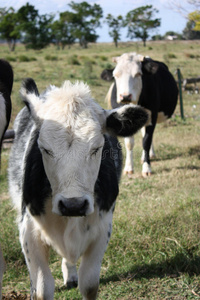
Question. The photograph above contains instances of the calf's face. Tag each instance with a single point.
(71, 160)
(71, 137)
(128, 77)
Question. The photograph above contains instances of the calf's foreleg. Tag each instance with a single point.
(36, 255)
(89, 271)
(69, 274)
(129, 144)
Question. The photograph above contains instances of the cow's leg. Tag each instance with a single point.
(89, 271)
(147, 141)
(36, 254)
(2, 269)
(69, 274)
(129, 143)
(152, 152)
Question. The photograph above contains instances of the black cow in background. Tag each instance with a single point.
(148, 83)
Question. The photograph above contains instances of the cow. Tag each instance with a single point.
(148, 83)
(6, 83)
(64, 171)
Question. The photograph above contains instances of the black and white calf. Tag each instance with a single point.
(6, 83)
(148, 83)
(63, 175)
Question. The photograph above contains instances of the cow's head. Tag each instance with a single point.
(71, 130)
(128, 75)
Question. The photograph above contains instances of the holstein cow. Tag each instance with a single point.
(6, 83)
(148, 83)
(63, 174)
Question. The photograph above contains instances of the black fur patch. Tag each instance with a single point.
(127, 123)
(106, 187)
(30, 86)
(36, 186)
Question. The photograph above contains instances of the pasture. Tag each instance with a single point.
(154, 251)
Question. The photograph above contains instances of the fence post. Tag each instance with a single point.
(180, 93)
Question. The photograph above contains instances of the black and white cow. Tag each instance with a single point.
(6, 83)
(148, 83)
(63, 175)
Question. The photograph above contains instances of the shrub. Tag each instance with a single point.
(73, 60)
(23, 58)
(10, 58)
(51, 57)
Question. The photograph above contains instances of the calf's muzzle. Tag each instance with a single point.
(125, 99)
(73, 207)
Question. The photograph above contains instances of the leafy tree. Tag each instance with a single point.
(189, 33)
(195, 16)
(9, 27)
(61, 33)
(140, 21)
(115, 24)
(84, 21)
(36, 29)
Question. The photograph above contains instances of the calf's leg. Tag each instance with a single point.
(89, 271)
(129, 144)
(69, 274)
(36, 255)
(147, 142)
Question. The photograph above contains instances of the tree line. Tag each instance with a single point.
(80, 23)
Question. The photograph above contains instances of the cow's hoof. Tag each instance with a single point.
(146, 174)
(72, 284)
(128, 172)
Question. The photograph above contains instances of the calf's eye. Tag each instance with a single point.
(95, 151)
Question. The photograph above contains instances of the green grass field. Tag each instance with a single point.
(154, 252)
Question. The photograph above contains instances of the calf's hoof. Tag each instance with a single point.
(72, 284)
(146, 170)
(128, 172)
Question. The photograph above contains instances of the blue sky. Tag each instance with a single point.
(170, 20)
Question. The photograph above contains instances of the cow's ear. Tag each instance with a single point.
(149, 66)
(126, 120)
(107, 74)
(30, 96)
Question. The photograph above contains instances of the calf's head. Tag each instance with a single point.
(128, 75)
(71, 130)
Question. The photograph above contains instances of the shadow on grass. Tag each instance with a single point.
(174, 267)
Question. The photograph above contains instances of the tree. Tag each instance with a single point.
(184, 7)
(84, 21)
(195, 17)
(36, 29)
(115, 24)
(189, 33)
(140, 21)
(9, 27)
(61, 33)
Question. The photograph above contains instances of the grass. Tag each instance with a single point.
(154, 252)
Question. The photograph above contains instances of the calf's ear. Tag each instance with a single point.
(30, 96)
(107, 74)
(126, 120)
(149, 66)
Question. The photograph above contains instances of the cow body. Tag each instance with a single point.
(63, 175)
(6, 83)
(148, 83)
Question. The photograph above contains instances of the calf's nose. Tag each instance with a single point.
(73, 207)
(126, 98)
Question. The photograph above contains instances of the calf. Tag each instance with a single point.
(63, 176)
(6, 83)
(148, 83)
